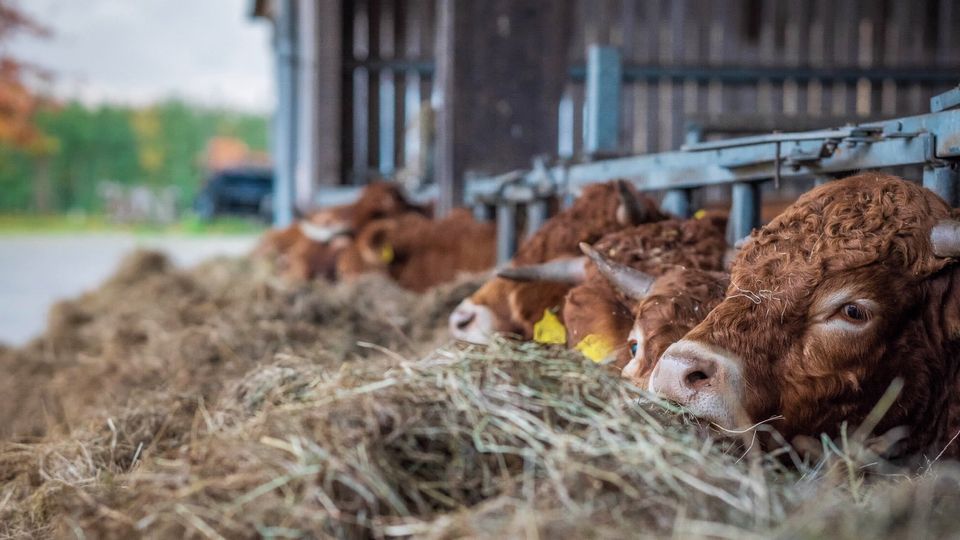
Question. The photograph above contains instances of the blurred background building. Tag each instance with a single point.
(439, 90)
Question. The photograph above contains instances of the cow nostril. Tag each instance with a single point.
(697, 378)
(464, 320)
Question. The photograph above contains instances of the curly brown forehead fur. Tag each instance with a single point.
(846, 224)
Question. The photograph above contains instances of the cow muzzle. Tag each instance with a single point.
(704, 380)
(472, 323)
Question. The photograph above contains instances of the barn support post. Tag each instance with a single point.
(328, 124)
(604, 75)
(360, 74)
(745, 212)
(536, 216)
(285, 119)
(677, 202)
(942, 180)
(506, 231)
(506, 58)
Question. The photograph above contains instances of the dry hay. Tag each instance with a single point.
(215, 403)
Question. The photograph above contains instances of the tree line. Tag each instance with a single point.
(159, 145)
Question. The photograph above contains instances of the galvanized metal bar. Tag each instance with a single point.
(506, 231)
(536, 216)
(285, 119)
(946, 100)
(943, 180)
(819, 135)
(677, 202)
(602, 100)
(565, 127)
(904, 141)
(745, 212)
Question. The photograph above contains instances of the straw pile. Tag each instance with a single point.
(216, 403)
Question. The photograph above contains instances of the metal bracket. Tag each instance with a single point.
(947, 100)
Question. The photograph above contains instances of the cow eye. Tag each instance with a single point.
(854, 313)
(633, 347)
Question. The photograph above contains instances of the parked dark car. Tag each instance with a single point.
(243, 191)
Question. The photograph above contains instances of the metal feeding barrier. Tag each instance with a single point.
(929, 140)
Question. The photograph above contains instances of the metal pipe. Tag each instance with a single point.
(602, 100)
(285, 119)
(677, 202)
(506, 231)
(745, 212)
(306, 169)
(943, 180)
(536, 216)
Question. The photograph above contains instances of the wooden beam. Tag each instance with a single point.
(330, 21)
(501, 65)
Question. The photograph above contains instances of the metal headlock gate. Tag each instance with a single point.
(929, 140)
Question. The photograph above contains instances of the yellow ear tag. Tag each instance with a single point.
(595, 347)
(386, 253)
(549, 329)
(699, 214)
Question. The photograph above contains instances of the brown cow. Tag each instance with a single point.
(626, 268)
(854, 286)
(310, 247)
(504, 306)
(420, 253)
(616, 278)
(674, 303)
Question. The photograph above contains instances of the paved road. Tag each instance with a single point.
(38, 270)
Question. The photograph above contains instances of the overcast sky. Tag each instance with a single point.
(139, 51)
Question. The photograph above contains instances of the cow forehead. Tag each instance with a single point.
(864, 220)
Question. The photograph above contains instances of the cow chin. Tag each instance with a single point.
(705, 381)
(472, 323)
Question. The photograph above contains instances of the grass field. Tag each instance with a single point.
(85, 223)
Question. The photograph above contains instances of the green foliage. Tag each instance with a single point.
(75, 222)
(159, 145)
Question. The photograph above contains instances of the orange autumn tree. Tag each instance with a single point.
(18, 104)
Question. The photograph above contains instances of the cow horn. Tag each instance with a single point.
(630, 281)
(945, 238)
(631, 211)
(319, 233)
(560, 270)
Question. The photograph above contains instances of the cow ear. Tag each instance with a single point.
(374, 243)
(945, 238)
(629, 281)
(631, 210)
(560, 270)
(322, 233)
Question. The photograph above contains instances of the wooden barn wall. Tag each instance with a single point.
(687, 33)
(769, 33)
(389, 44)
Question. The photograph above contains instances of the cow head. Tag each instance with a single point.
(378, 200)
(849, 288)
(510, 306)
(664, 308)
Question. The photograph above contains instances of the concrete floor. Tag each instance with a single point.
(38, 270)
